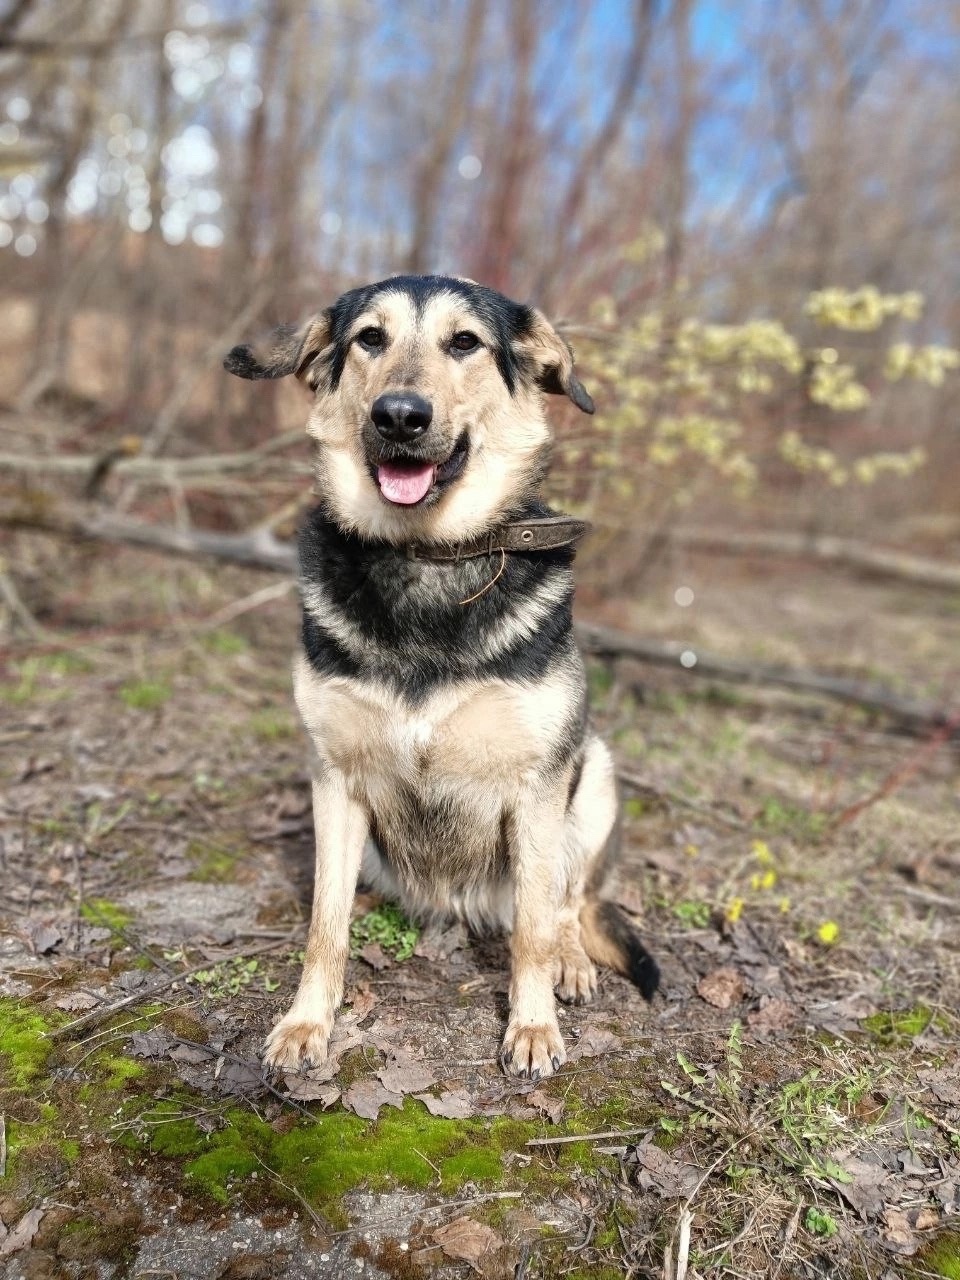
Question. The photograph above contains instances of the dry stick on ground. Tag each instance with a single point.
(259, 548)
(108, 1010)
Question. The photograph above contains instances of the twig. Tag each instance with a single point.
(683, 1244)
(107, 1011)
(315, 1217)
(584, 1137)
(3, 1144)
(903, 772)
(245, 605)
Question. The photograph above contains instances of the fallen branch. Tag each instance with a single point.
(847, 552)
(916, 716)
(259, 549)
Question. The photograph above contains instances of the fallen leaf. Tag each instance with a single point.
(467, 1240)
(774, 1014)
(722, 988)
(943, 1083)
(660, 1172)
(361, 1002)
(240, 1079)
(44, 937)
(552, 1108)
(150, 1044)
(438, 944)
(366, 1097)
(927, 1219)
(897, 1233)
(406, 1075)
(594, 1040)
(190, 1054)
(862, 1192)
(453, 1105)
(303, 1089)
(375, 956)
(19, 1237)
(77, 1001)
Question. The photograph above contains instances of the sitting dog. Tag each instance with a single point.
(454, 768)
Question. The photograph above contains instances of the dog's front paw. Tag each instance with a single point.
(532, 1052)
(296, 1044)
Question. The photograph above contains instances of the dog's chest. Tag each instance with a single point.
(489, 731)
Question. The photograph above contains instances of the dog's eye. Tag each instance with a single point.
(372, 339)
(464, 341)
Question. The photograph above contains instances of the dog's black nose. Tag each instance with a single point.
(401, 417)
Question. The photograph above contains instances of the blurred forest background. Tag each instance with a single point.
(745, 216)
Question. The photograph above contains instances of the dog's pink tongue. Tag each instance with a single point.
(405, 484)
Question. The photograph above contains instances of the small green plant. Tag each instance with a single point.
(231, 976)
(820, 1223)
(225, 643)
(389, 928)
(145, 695)
(692, 912)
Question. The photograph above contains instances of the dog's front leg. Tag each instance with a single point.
(301, 1037)
(533, 1045)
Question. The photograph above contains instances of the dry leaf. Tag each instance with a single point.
(927, 1219)
(897, 1234)
(406, 1075)
(454, 1105)
(437, 944)
(19, 1237)
(150, 1044)
(862, 1192)
(366, 1097)
(552, 1108)
(722, 988)
(467, 1240)
(361, 1002)
(661, 1173)
(44, 937)
(774, 1014)
(594, 1040)
(375, 956)
(77, 1001)
(303, 1089)
(943, 1083)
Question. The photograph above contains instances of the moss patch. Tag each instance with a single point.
(897, 1026)
(24, 1043)
(942, 1257)
(103, 912)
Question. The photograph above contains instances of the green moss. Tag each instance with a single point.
(942, 1257)
(895, 1026)
(145, 695)
(213, 864)
(24, 1043)
(106, 913)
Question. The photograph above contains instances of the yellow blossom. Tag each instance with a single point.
(828, 932)
(734, 910)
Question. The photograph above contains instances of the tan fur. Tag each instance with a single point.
(507, 433)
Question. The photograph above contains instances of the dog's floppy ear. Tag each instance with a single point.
(289, 349)
(553, 359)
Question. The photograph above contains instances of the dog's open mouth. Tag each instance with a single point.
(406, 480)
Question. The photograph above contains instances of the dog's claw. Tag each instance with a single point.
(532, 1052)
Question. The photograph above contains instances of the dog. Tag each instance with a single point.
(454, 768)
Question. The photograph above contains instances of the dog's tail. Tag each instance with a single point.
(609, 937)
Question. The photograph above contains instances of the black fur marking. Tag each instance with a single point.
(412, 632)
(506, 320)
(642, 969)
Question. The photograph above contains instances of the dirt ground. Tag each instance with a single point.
(789, 1105)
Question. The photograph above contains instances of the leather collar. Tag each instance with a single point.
(539, 533)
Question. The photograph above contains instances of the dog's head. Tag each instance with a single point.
(428, 414)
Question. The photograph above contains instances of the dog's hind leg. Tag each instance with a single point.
(604, 933)
(301, 1037)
